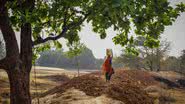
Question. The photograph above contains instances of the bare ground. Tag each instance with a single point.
(126, 87)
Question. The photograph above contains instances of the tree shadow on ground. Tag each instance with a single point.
(169, 83)
(55, 78)
(181, 82)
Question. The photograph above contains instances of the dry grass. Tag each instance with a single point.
(168, 96)
(45, 81)
(49, 78)
(178, 95)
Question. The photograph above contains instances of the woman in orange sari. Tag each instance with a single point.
(107, 66)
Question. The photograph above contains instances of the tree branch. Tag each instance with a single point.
(77, 11)
(65, 17)
(40, 40)
(80, 21)
(62, 34)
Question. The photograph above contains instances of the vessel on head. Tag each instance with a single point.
(109, 52)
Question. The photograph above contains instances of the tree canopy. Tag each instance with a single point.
(53, 19)
(148, 59)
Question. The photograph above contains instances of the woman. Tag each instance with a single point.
(107, 65)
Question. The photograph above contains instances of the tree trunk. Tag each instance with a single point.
(17, 65)
(158, 60)
(77, 63)
(19, 86)
(151, 65)
(19, 73)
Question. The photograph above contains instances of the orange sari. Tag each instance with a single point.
(107, 67)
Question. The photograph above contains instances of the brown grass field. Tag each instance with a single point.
(126, 87)
(45, 80)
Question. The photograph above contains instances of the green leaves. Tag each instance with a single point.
(149, 18)
(38, 49)
(151, 43)
(57, 44)
(75, 49)
(180, 7)
(121, 39)
(72, 36)
(103, 35)
(131, 51)
(43, 47)
(116, 3)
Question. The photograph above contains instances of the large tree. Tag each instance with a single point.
(148, 58)
(172, 63)
(153, 57)
(46, 21)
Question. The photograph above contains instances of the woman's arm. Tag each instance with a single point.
(111, 53)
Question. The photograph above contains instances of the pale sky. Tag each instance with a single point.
(97, 45)
(174, 33)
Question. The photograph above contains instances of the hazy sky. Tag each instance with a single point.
(174, 33)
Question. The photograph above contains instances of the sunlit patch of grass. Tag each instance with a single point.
(4, 100)
(43, 84)
(3, 76)
(168, 96)
(178, 95)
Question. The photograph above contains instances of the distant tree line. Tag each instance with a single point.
(152, 59)
(59, 58)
